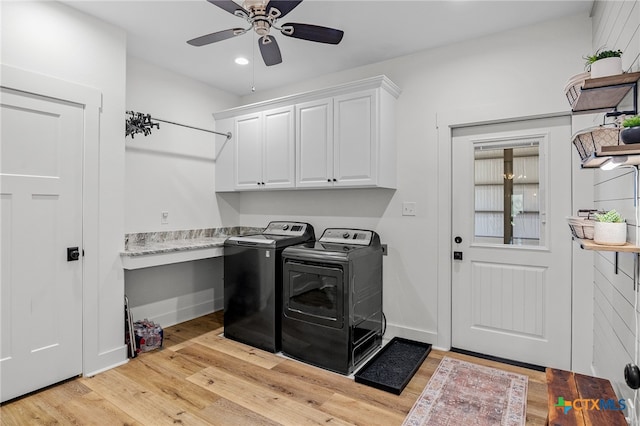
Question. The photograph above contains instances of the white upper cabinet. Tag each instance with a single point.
(343, 136)
(314, 144)
(248, 144)
(278, 149)
(355, 135)
(264, 150)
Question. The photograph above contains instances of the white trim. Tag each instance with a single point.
(367, 83)
(445, 122)
(176, 310)
(44, 85)
(393, 330)
(102, 370)
(146, 260)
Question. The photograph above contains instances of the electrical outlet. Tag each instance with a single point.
(164, 218)
(409, 208)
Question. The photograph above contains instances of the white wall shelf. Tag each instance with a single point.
(629, 155)
(590, 245)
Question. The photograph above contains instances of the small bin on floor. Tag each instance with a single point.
(149, 335)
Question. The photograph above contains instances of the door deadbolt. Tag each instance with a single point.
(458, 240)
(73, 253)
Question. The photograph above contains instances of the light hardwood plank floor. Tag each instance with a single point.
(200, 378)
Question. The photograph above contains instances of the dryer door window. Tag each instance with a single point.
(314, 293)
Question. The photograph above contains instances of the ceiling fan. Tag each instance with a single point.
(262, 15)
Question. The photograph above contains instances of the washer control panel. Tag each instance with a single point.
(346, 236)
(285, 228)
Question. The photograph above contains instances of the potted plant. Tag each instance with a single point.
(604, 63)
(610, 229)
(631, 131)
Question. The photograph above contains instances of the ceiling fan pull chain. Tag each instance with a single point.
(253, 67)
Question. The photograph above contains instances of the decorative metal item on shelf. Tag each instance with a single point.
(139, 123)
(589, 141)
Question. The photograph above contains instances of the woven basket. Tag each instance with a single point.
(573, 86)
(591, 140)
(581, 227)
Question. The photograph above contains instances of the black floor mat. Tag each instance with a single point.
(394, 366)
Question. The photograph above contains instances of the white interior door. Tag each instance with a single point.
(511, 291)
(41, 216)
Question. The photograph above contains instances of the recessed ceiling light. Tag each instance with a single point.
(242, 61)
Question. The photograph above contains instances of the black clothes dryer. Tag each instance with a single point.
(332, 307)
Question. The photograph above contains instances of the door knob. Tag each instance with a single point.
(73, 253)
(458, 240)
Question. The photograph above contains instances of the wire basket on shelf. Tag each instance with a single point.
(582, 226)
(589, 141)
(573, 87)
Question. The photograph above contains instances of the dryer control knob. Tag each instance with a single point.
(285, 227)
(346, 235)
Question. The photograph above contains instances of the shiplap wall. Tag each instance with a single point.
(616, 25)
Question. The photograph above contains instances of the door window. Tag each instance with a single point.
(507, 186)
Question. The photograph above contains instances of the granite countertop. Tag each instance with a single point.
(145, 243)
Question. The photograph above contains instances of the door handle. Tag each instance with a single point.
(73, 254)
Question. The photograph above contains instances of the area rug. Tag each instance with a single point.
(463, 393)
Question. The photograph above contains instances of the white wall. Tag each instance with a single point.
(500, 76)
(616, 25)
(173, 170)
(52, 39)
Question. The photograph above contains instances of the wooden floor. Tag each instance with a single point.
(200, 378)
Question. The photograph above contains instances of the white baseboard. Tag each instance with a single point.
(175, 310)
(424, 336)
(110, 359)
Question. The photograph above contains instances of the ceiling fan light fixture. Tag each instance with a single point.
(261, 27)
(262, 16)
(250, 4)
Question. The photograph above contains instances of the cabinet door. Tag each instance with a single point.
(314, 143)
(248, 162)
(278, 156)
(355, 153)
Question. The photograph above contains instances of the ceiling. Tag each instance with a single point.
(157, 31)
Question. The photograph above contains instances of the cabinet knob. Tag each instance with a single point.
(335, 180)
(328, 180)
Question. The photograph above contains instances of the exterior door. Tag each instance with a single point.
(41, 216)
(511, 278)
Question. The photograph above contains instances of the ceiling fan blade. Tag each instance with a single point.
(229, 6)
(283, 6)
(217, 36)
(269, 50)
(313, 33)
